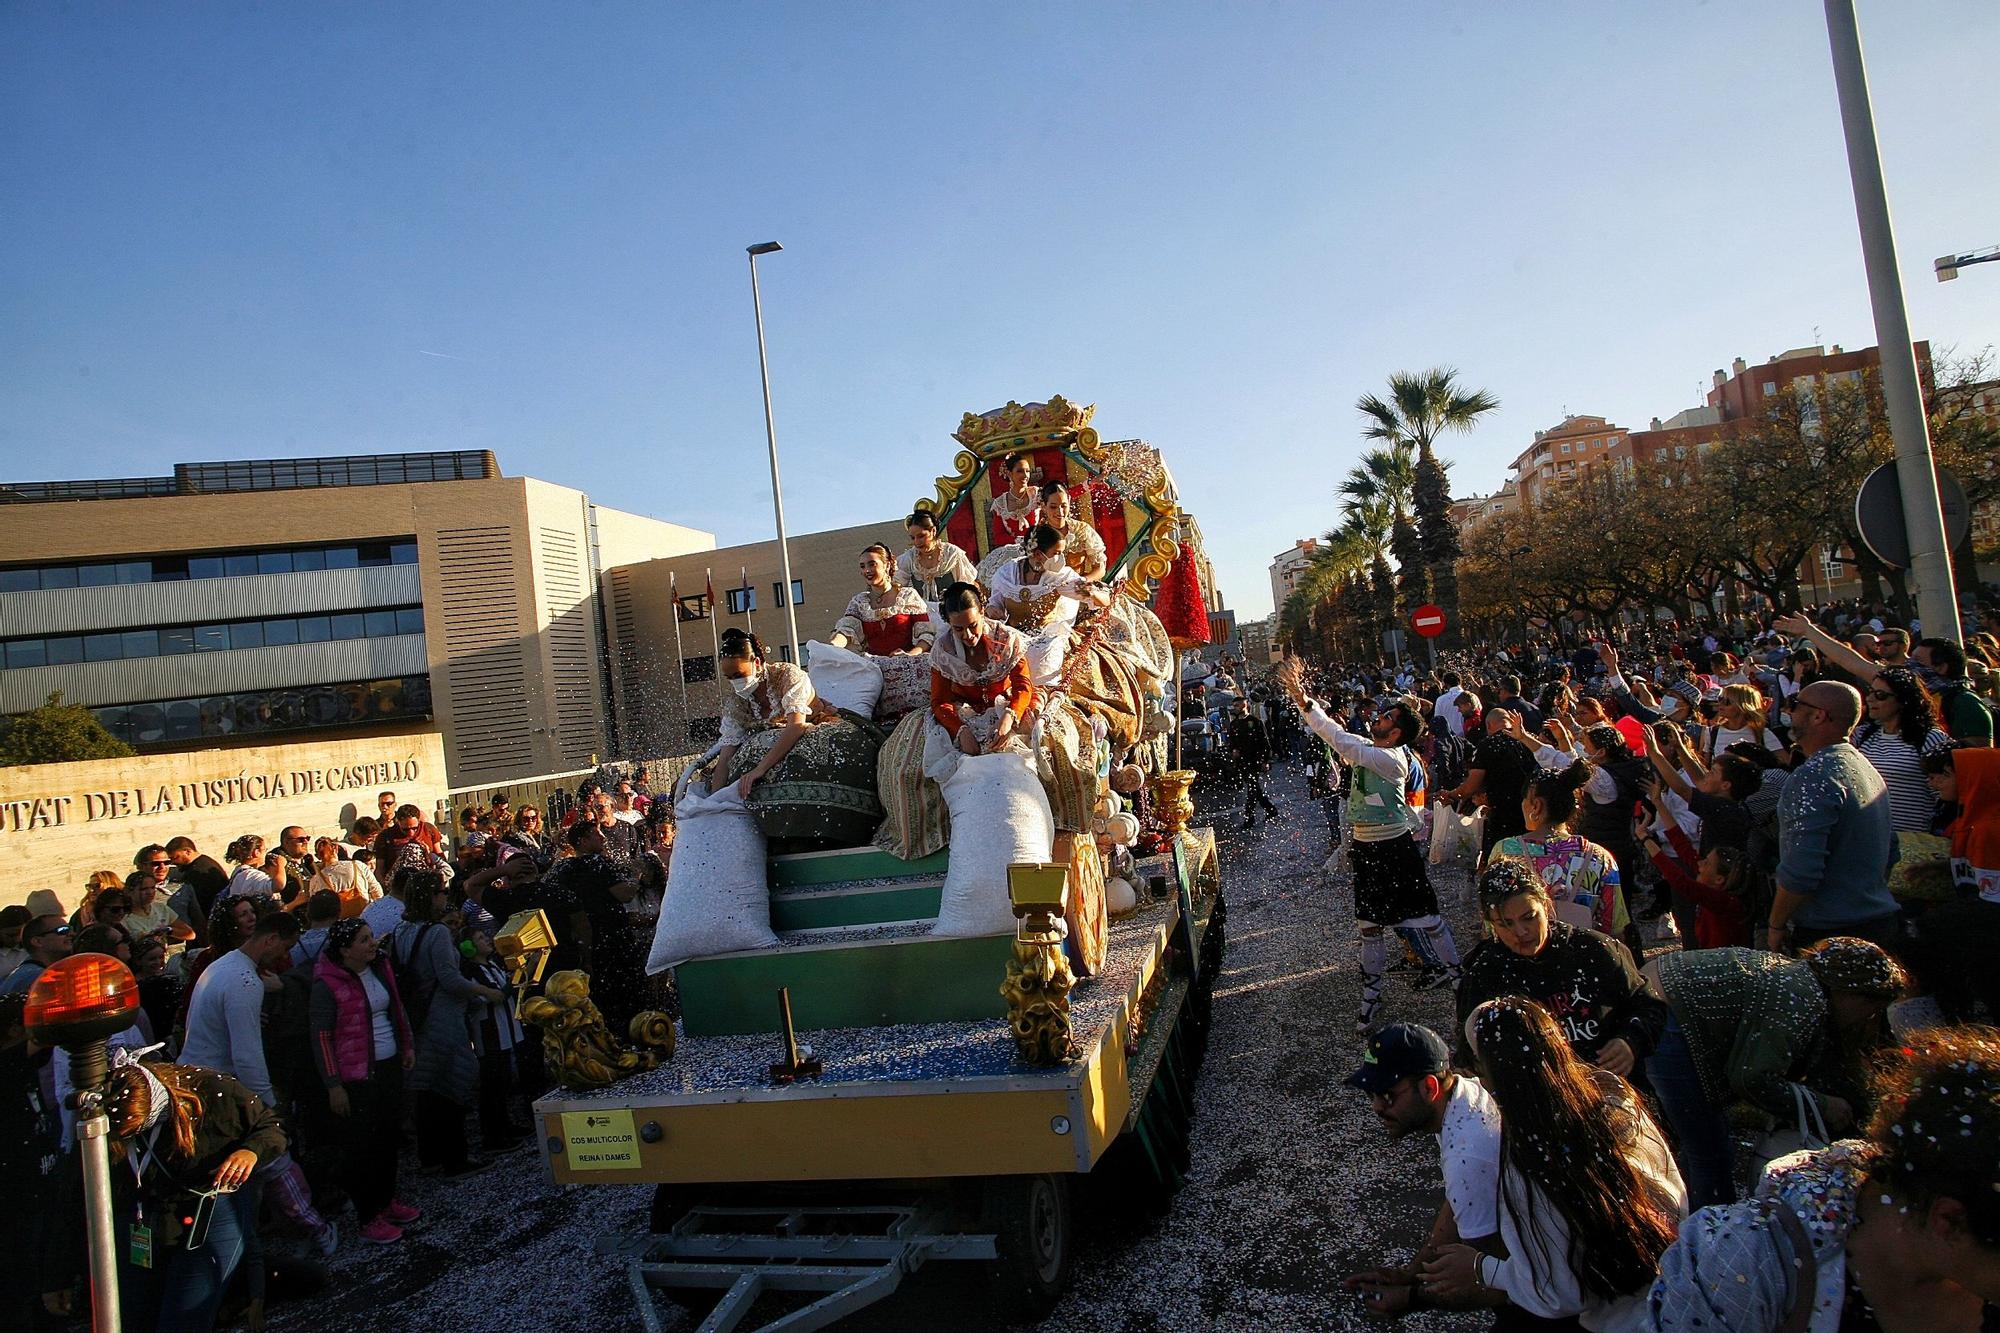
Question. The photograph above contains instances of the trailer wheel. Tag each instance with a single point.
(1030, 1218)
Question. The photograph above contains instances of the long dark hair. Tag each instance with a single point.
(1571, 1136)
(1916, 717)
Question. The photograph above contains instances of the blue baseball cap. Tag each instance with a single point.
(1397, 1052)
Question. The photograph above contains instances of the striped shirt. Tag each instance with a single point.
(1912, 803)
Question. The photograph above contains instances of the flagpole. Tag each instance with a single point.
(714, 639)
(749, 599)
(674, 591)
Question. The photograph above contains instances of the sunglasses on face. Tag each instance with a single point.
(55, 930)
(158, 865)
(1883, 695)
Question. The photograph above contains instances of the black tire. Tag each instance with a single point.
(1035, 1234)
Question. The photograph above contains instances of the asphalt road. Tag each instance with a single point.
(1293, 1184)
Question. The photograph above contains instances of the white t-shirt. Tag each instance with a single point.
(248, 880)
(1469, 1145)
(1445, 707)
(381, 1022)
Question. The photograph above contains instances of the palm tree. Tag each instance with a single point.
(1420, 408)
(1387, 476)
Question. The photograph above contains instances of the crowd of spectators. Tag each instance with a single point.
(306, 1014)
(1725, 1056)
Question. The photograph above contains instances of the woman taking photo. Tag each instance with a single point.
(445, 1074)
(1899, 730)
(1589, 1197)
(184, 1142)
(361, 1048)
(256, 872)
(1585, 979)
(1901, 1231)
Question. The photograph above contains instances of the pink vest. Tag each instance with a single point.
(349, 1047)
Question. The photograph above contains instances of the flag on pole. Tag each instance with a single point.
(674, 591)
(714, 640)
(749, 600)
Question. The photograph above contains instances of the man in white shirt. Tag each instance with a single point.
(1406, 1072)
(225, 1032)
(1445, 707)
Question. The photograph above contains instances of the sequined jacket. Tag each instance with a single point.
(1756, 1023)
(1731, 1269)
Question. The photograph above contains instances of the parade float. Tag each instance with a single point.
(908, 1050)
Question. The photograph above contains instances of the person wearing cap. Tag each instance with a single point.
(1406, 1072)
(1744, 1025)
(1677, 704)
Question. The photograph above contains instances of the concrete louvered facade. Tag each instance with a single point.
(473, 610)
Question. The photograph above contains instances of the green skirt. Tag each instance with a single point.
(822, 794)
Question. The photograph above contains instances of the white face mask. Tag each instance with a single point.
(747, 685)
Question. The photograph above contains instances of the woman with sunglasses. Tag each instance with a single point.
(527, 837)
(1900, 729)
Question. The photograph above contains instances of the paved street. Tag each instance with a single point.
(1293, 1184)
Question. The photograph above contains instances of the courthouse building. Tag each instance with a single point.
(287, 599)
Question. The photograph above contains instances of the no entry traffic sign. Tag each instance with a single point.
(1427, 621)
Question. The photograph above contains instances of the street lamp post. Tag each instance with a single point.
(1923, 516)
(771, 436)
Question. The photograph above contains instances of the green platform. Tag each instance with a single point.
(841, 984)
(855, 904)
(849, 864)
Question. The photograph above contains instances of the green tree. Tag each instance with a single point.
(1420, 407)
(57, 733)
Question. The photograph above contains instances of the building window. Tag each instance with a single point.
(691, 608)
(742, 601)
(300, 708)
(1770, 388)
(798, 593)
(704, 730)
(229, 564)
(695, 670)
(1565, 446)
(176, 640)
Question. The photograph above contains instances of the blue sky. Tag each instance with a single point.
(272, 230)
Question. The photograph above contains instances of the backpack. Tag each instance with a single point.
(418, 988)
(1948, 699)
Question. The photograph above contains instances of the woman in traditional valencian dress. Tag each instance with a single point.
(930, 564)
(981, 700)
(1038, 594)
(1082, 547)
(806, 769)
(888, 619)
(1010, 516)
(1014, 512)
(890, 623)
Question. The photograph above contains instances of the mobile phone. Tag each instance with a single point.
(204, 1213)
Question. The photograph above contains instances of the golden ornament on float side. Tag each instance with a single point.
(1038, 976)
(577, 1043)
